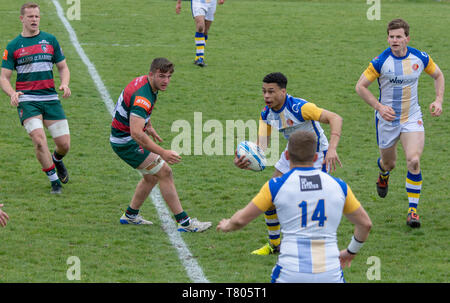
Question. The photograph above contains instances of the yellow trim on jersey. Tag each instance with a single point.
(310, 111)
(318, 256)
(351, 203)
(264, 129)
(431, 67)
(406, 66)
(370, 73)
(263, 200)
(406, 103)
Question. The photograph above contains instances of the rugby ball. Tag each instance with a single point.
(252, 153)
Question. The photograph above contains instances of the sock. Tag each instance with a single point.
(273, 227)
(57, 157)
(131, 213)
(383, 172)
(183, 219)
(199, 45)
(51, 174)
(413, 188)
(206, 38)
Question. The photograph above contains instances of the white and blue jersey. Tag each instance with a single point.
(309, 204)
(296, 114)
(398, 81)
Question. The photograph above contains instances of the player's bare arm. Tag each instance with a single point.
(137, 125)
(240, 219)
(363, 224)
(178, 7)
(5, 83)
(64, 74)
(439, 85)
(362, 89)
(335, 122)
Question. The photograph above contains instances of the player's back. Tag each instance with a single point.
(309, 205)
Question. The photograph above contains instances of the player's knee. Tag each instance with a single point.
(413, 163)
(63, 147)
(165, 172)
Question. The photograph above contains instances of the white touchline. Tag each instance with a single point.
(193, 269)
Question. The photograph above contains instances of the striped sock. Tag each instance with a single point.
(199, 45)
(273, 226)
(131, 212)
(183, 219)
(382, 171)
(51, 174)
(413, 188)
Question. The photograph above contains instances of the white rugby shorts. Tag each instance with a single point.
(283, 275)
(283, 164)
(388, 134)
(205, 8)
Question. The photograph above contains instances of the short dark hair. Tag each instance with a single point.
(398, 23)
(164, 65)
(277, 78)
(302, 147)
(28, 5)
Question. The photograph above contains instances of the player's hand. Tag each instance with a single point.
(436, 108)
(66, 89)
(386, 112)
(3, 217)
(171, 156)
(222, 226)
(241, 161)
(15, 98)
(221, 1)
(330, 161)
(152, 133)
(345, 258)
(178, 8)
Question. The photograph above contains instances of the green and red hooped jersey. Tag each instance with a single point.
(33, 59)
(136, 99)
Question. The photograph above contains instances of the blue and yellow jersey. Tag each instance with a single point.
(296, 114)
(309, 205)
(398, 80)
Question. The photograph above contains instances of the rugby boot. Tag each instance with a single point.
(382, 185)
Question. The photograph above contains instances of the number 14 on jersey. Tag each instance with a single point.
(317, 215)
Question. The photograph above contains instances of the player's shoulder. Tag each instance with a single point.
(14, 42)
(295, 104)
(419, 54)
(381, 58)
(342, 184)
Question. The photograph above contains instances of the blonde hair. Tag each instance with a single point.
(28, 5)
(302, 147)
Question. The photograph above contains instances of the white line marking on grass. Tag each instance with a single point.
(193, 269)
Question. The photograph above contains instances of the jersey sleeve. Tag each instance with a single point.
(140, 106)
(58, 55)
(263, 200)
(371, 73)
(431, 67)
(264, 129)
(351, 203)
(310, 111)
(8, 58)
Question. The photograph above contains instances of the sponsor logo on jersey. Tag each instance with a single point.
(415, 66)
(5, 55)
(310, 183)
(143, 103)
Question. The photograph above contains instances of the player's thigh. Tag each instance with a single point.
(413, 143)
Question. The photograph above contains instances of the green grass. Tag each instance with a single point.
(322, 47)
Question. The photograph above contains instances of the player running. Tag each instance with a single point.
(288, 114)
(130, 131)
(32, 54)
(203, 12)
(309, 204)
(397, 112)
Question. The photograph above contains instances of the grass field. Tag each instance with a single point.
(322, 47)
